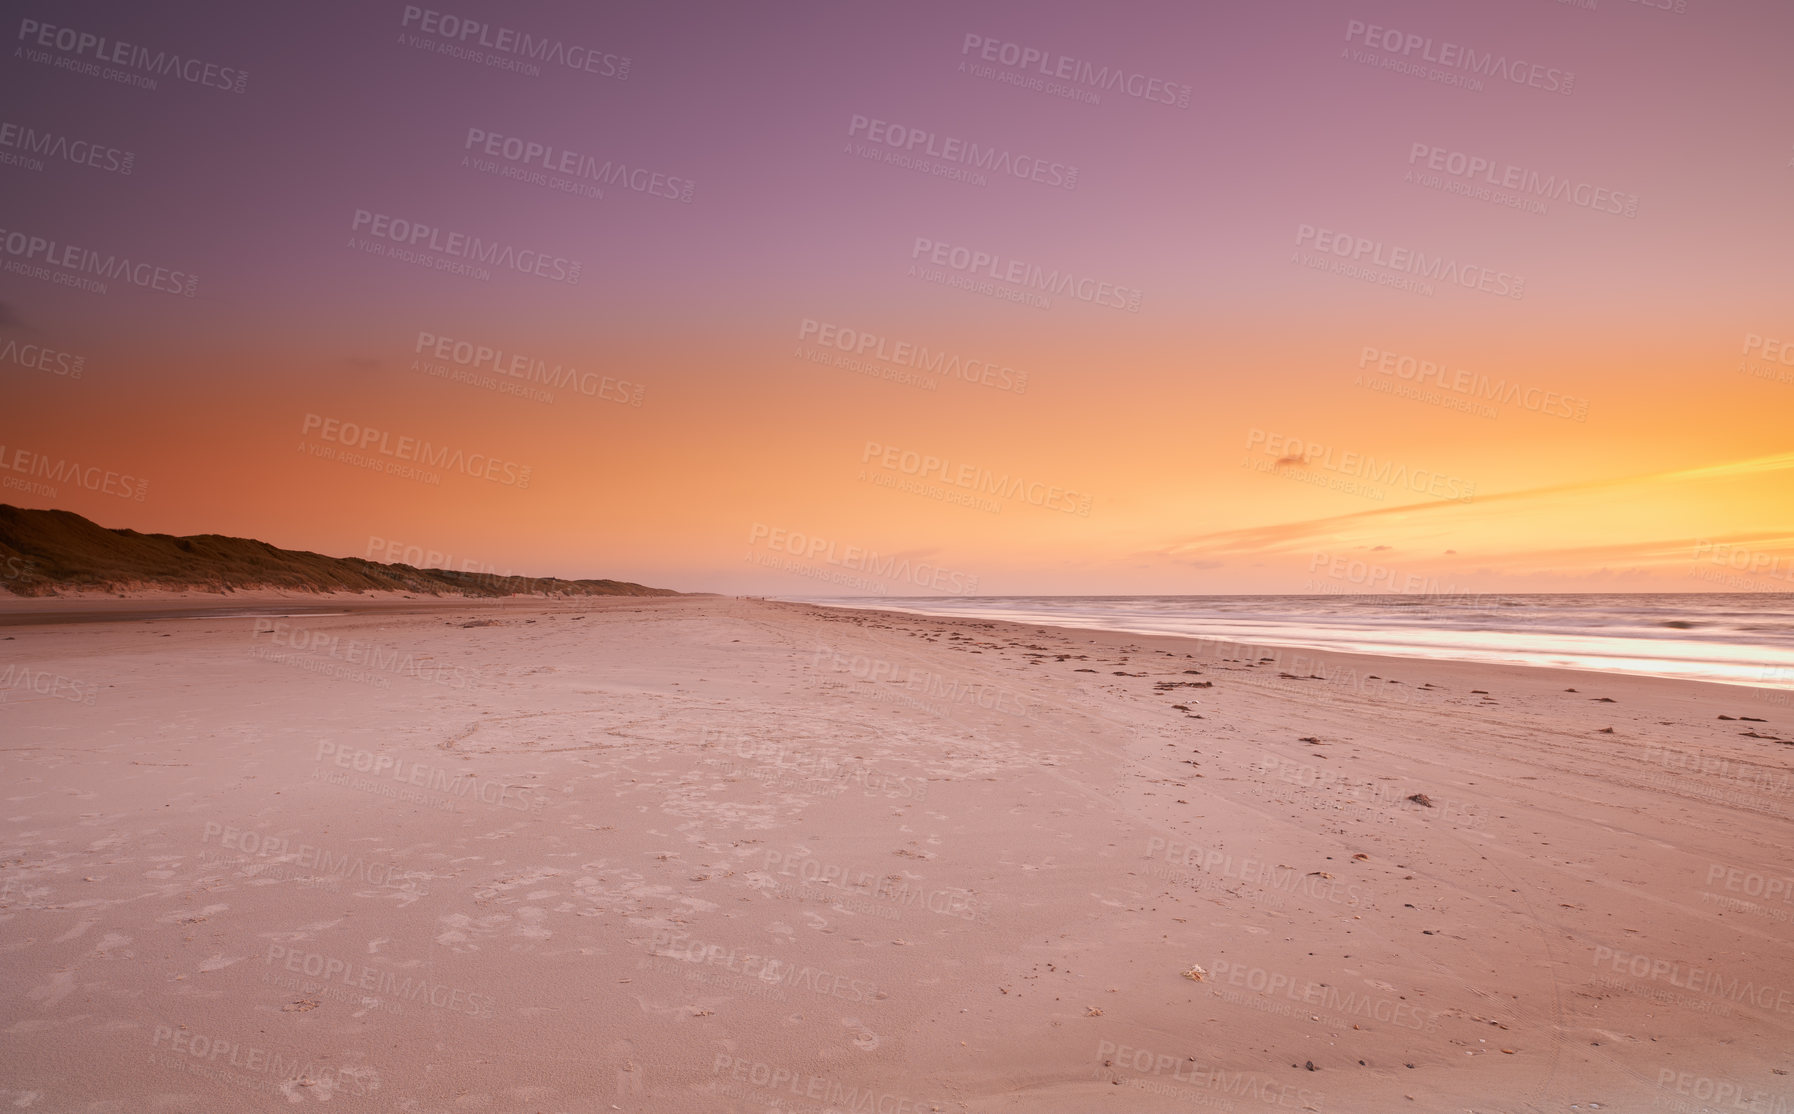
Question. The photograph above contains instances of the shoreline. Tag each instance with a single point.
(1363, 661)
(1487, 657)
(158, 604)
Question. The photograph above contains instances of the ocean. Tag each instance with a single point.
(1736, 639)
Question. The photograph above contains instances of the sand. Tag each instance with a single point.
(716, 854)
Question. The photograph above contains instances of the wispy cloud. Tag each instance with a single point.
(1491, 529)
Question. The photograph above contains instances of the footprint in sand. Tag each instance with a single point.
(59, 986)
(1251, 928)
(319, 1089)
(532, 926)
(864, 1039)
(191, 916)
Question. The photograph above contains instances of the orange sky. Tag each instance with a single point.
(1250, 427)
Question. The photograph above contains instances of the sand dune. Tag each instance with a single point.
(55, 553)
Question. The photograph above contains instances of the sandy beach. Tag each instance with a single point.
(939, 558)
(707, 853)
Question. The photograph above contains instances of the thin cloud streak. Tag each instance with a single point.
(1285, 537)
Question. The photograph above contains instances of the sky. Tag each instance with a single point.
(828, 298)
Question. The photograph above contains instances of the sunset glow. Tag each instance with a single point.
(1170, 300)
